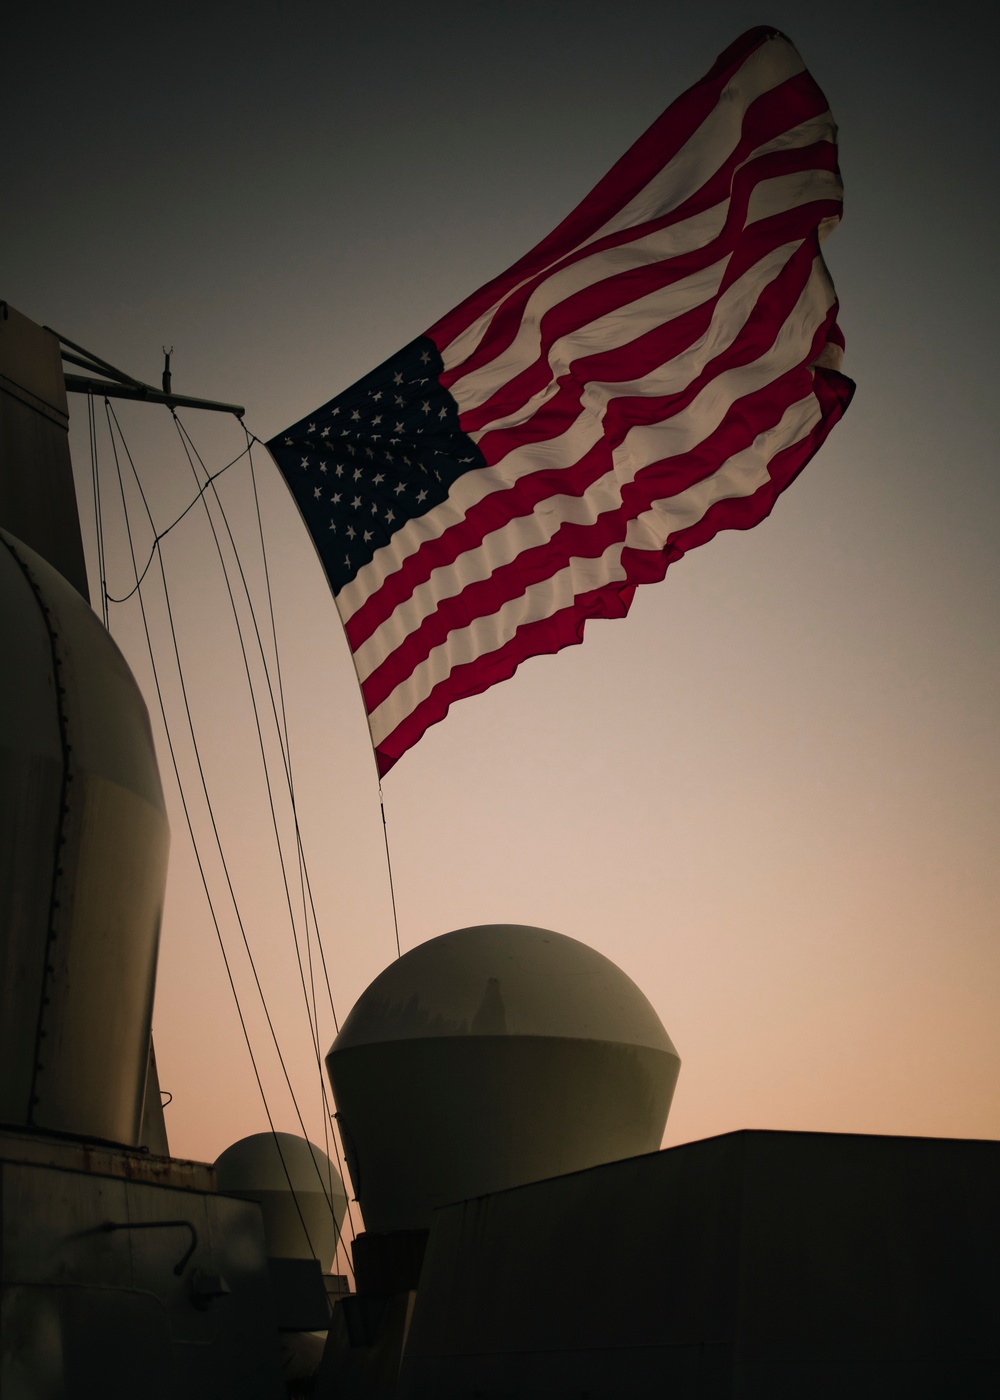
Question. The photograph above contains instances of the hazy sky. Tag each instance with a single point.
(771, 795)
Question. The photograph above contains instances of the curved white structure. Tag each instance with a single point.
(83, 858)
(490, 1057)
(299, 1190)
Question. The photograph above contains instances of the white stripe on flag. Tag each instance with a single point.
(568, 447)
(706, 150)
(680, 433)
(523, 532)
(659, 247)
(698, 159)
(741, 476)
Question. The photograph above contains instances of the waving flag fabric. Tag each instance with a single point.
(656, 370)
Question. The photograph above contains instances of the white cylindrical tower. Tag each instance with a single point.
(490, 1057)
(83, 857)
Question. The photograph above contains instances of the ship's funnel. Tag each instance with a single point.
(491, 1057)
(297, 1187)
(83, 855)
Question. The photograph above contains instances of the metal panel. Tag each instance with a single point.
(37, 496)
(763, 1265)
(73, 1343)
(90, 1311)
(435, 1121)
(101, 1159)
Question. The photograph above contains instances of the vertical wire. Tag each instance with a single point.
(188, 443)
(313, 1029)
(286, 751)
(98, 518)
(305, 882)
(388, 861)
(184, 805)
(232, 894)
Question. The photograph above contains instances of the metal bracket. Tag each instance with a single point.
(160, 1225)
(205, 1288)
(116, 384)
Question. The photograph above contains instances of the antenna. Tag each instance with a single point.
(119, 385)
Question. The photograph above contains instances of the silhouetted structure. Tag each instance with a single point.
(757, 1265)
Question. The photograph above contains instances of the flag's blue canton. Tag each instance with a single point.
(384, 451)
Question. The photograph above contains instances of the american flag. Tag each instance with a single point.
(656, 370)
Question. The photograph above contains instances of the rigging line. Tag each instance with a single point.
(304, 881)
(277, 660)
(314, 1029)
(208, 802)
(270, 604)
(286, 754)
(282, 725)
(218, 931)
(158, 537)
(314, 1023)
(331, 1141)
(98, 525)
(187, 442)
(197, 753)
(381, 803)
(187, 815)
(252, 438)
(305, 886)
(282, 729)
(388, 861)
(340, 1243)
(303, 875)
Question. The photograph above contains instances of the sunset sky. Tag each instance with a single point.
(771, 794)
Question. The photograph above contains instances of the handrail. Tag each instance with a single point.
(179, 1267)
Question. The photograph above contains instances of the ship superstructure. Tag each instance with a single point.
(501, 1091)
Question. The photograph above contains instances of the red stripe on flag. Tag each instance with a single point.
(548, 635)
(500, 507)
(775, 112)
(491, 513)
(566, 627)
(654, 149)
(622, 289)
(834, 392)
(587, 540)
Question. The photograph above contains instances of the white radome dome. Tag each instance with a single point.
(298, 1188)
(489, 1057)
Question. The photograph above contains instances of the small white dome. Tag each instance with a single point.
(298, 1188)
